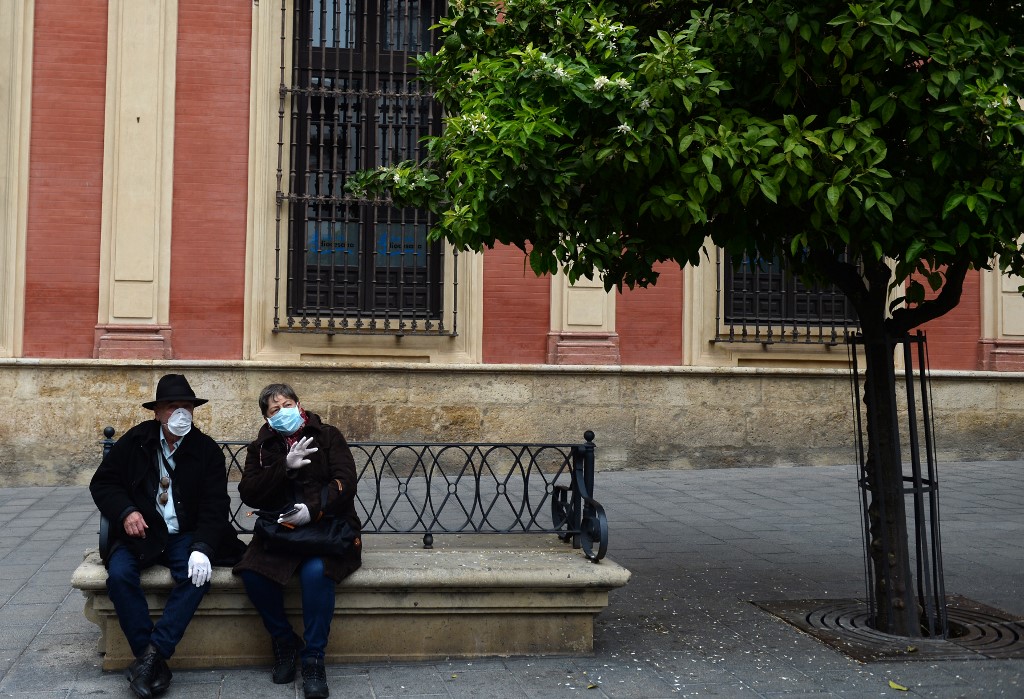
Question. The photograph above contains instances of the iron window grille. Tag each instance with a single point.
(349, 102)
(762, 301)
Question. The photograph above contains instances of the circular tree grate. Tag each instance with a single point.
(842, 624)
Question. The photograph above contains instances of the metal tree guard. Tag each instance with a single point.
(912, 407)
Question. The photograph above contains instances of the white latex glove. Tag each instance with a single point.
(296, 457)
(199, 568)
(296, 519)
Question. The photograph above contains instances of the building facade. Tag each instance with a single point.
(171, 199)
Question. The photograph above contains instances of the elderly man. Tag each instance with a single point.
(163, 488)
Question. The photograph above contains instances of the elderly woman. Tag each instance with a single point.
(295, 455)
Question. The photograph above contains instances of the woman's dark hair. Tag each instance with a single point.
(276, 389)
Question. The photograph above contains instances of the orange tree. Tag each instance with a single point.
(875, 146)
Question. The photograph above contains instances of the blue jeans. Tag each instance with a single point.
(125, 591)
(317, 605)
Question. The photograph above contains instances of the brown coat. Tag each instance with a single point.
(268, 485)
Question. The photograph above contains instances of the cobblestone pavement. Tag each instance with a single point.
(701, 545)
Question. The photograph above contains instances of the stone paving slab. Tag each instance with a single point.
(701, 545)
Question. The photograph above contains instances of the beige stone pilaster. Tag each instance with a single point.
(1002, 322)
(138, 168)
(582, 323)
(15, 123)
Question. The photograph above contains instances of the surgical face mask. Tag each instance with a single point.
(180, 422)
(286, 420)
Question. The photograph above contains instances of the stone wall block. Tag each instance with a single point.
(805, 424)
(968, 395)
(1009, 397)
(505, 390)
(797, 392)
(641, 418)
(357, 422)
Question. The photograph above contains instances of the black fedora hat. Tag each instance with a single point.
(173, 387)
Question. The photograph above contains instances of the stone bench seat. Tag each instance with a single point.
(468, 596)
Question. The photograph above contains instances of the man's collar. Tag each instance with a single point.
(164, 440)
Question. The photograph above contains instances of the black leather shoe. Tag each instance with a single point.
(286, 655)
(161, 677)
(314, 679)
(141, 672)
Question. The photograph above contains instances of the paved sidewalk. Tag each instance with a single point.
(700, 544)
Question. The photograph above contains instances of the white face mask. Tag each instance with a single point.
(180, 422)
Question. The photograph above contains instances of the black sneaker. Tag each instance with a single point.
(286, 655)
(314, 679)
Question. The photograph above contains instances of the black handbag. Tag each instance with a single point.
(328, 536)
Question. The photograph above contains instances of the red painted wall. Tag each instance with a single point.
(211, 150)
(517, 309)
(649, 321)
(65, 186)
(953, 339)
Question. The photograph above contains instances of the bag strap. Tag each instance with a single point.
(323, 503)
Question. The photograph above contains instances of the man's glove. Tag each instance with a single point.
(296, 457)
(199, 568)
(297, 518)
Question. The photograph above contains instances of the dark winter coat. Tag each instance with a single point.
(268, 485)
(127, 481)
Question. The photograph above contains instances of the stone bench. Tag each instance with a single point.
(469, 556)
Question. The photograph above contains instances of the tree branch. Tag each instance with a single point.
(903, 319)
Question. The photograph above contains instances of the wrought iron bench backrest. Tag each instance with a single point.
(468, 488)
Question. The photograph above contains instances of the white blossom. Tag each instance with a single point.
(600, 82)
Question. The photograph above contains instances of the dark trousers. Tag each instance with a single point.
(125, 592)
(317, 605)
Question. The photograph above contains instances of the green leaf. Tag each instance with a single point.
(770, 189)
(709, 162)
(951, 203)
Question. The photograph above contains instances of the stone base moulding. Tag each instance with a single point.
(592, 348)
(133, 342)
(405, 603)
(1002, 355)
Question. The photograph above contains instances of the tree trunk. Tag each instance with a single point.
(897, 608)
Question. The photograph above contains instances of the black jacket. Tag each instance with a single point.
(268, 484)
(127, 481)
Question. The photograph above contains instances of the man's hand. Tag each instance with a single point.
(296, 457)
(199, 568)
(135, 525)
(297, 518)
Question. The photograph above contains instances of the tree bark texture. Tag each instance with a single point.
(897, 610)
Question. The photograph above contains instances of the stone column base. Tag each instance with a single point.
(583, 348)
(1002, 355)
(133, 342)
